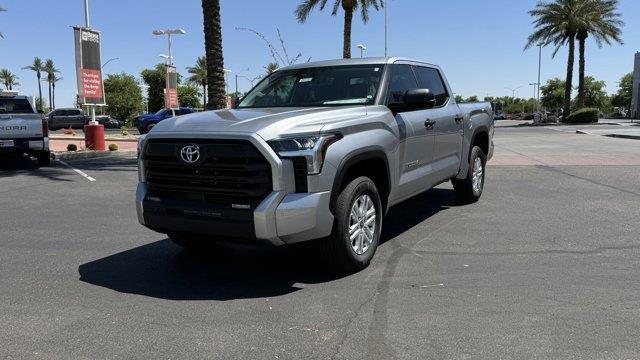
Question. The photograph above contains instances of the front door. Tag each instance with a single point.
(416, 149)
(448, 126)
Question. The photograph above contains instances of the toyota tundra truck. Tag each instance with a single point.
(22, 129)
(316, 151)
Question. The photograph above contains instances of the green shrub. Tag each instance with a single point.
(527, 117)
(72, 147)
(113, 147)
(583, 116)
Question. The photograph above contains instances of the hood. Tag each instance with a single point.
(266, 122)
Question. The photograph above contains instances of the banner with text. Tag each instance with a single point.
(88, 67)
(171, 100)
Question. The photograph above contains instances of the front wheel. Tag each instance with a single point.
(357, 227)
(469, 189)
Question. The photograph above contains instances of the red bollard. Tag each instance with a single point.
(94, 137)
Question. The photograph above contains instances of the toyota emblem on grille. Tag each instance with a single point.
(190, 154)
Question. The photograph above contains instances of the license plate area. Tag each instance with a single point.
(6, 143)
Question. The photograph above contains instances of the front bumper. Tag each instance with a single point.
(279, 219)
(282, 217)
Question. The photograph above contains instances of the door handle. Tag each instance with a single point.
(459, 118)
(429, 123)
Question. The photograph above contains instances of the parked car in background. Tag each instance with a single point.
(144, 123)
(22, 129)
(108, 122)
(67, 118)
(499, 116)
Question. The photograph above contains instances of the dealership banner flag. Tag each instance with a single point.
(171, 91)
(88, 67)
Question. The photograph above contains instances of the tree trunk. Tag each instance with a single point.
(567, 89)
(50, 97)
(348, 21)
(581, 67)
(39, 104)
(53, 92)
(204, 95)
(213, 48)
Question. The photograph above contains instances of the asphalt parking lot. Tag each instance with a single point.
(546, 265)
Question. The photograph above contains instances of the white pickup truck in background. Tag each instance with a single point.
(22, 129)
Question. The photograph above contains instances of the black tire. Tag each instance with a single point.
(191, 242)
(465, 191)
(44, 159)
(338, 248)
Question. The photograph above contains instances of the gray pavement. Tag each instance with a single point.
(544, 266)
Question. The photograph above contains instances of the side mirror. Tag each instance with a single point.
(419, 99)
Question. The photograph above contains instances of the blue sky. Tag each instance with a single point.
(478, 43)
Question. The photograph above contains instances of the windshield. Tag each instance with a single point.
(322, 86)
(15, 106)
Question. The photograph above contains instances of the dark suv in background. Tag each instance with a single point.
(67, 118)
(144, 123)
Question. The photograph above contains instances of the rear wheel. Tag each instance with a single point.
(357, 227)
(44, 159)
(470, 189)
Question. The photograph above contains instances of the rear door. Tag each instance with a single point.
(416, 151)
(448, 126)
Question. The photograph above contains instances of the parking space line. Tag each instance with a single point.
(80, 172)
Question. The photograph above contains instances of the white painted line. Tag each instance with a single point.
(80, 172)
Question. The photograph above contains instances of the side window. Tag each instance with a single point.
(430, 78)
(75, 112)
(402, 79)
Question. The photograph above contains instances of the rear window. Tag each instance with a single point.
(15, 106)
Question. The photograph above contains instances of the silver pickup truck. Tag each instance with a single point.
(22, 129)
(316, 151)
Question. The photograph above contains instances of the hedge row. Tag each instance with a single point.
(583, 116)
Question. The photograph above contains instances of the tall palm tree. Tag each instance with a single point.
(53, 90)
(199, 75)
(38, 67)
(558, 23)
(602, 21)
(50, 69)
(349, 7)
(215, 60)
(9, 79)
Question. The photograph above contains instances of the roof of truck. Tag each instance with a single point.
(358, 61)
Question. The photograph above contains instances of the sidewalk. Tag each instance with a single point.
(58, 143)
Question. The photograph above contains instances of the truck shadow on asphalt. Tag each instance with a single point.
(27, 167)
(162, 270)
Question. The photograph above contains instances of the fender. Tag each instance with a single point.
(367, 153)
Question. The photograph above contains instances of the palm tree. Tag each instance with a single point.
(602, 21)
(199, 75)
(50, 69)
(213, 48)
(349, 6)
(9, 79)
(271, 67)
(53, 90)
(38, 67)
(558, 23)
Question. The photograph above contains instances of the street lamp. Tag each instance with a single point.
(167, 58)
(108, 61)
(362, 49)
(169, 32)
(513, 91)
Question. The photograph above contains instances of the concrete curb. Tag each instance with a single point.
(81, 155)
(623, 136)
(77, 138)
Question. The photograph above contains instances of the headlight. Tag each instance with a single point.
(313, 148)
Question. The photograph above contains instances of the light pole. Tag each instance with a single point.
(539, 72)
(166, 58)
(513, 91)
(226, 81)
(386, 27)
(169, 32)
(108, 61)
(362, 50)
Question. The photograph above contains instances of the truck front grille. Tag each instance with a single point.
(230, 172)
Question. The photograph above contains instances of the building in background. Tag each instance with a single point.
(635, 99)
